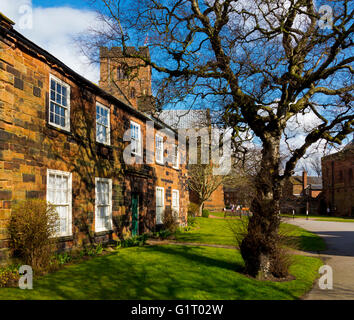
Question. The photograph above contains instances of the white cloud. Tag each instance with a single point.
(53, 29)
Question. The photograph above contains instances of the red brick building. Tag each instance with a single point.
(302, 193)
(338, 181)
(66, 140)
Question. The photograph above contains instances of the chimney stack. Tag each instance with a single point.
(304, 180)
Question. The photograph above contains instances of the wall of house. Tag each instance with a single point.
(216, 201)
(29, 145)
(338, 183)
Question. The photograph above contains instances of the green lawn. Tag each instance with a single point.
(212, 231)
(166, 272)
(218, 231)
(302, 239)
(176, 271)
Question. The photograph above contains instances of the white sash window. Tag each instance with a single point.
(159, 149)
(135, 138)
(59, 103)
(102, 124)
(59, 186)
(160, 204)
(175, 202)
(175, 157)
(103, 205)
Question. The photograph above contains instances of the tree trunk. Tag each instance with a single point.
(260, 244)
(201, 207)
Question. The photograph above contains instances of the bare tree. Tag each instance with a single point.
(203, 182)
(316, 166)
(265, 63)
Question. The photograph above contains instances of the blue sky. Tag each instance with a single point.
(78, 4)
(53, 26)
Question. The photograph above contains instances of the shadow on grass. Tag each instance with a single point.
(187, 253)
(157, 272)
(305, 243)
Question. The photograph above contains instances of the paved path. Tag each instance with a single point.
(339, 237)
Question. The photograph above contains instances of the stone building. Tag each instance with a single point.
(90, 150)
(338, 181)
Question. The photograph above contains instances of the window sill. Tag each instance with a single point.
(59, 129)
(106, 145)
(65, 238)
(103, 233)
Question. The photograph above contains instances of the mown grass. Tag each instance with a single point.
(167, 272)
(321, 218)
(219, 231)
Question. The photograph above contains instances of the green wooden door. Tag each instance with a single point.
(135, 211)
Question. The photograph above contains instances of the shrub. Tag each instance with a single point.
(9, 276)
(32, 225)
(193, 209)
(280, 262)
(191, 221)
(136, 241)
(170, 221)
(205, 213)
(62, 258)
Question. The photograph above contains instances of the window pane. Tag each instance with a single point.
(58, 100)
(58, 88)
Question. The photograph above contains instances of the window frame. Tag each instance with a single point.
(110, 213)
(139, 140)
(175, 156)
(108, 142)
(159, 161)
(69, 231)
(63, 84)
(163, 204)
(175, 191)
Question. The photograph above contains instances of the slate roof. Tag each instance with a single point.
(310, 180)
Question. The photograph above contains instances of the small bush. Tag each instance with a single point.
(9, 276)
(191, 221)
(280, 263)
(32, 226)
(92, 251)
(205, 213)
(170, 221)
(193, 209)
(136, 241)
(62, 258)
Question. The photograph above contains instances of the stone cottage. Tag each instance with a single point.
(92, 151)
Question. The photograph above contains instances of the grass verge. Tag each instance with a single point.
(218, 231)
(167, 272)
